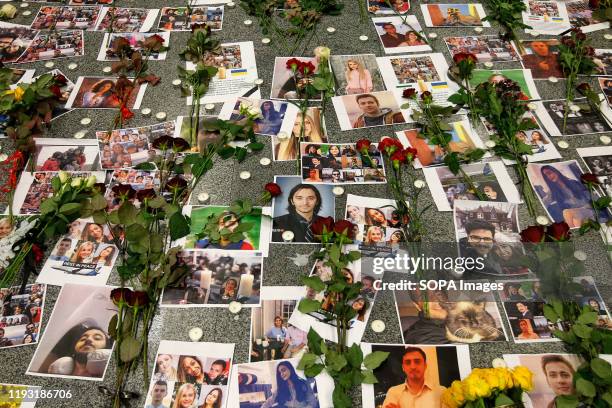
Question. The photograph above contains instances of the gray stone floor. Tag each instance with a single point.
(218, 324)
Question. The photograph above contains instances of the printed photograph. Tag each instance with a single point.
(14, 40)
(384, 7)
(603, 62)
(581, 15)
(56, 44)
(521, 76)
(275, 117)
(606, 87)
(66, 18)
(100, 93)
(204, 137)
(398, 37)
(368, 110)
(485, 48)
(126, 20)
(579, 122)
(21, 314)
(454, 15)
(21, 396)
(66, 154)
(598, 161)
(546, 17)
(287, 149)
(137, 179)
(356, 74)
(542, 58)
(181, 19)
(289, 85)
(135, 40)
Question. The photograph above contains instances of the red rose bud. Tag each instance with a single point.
(99, 187)
(138, 298)
(559, 231)
(126, 113)
(321, 225)
(293, 64)
(163, 142)
(119, 295)
(179, 144)
(176, 183)
(426, 96)
(535, 233)
(363, 146)
(409, 93)
(523, 97)
(389, 146)
(60, 80)
(589, 178)
(145, 194)
(306, 68)
(398, 157)
(57, 91)
(38, 253)
(410, 153)
(124, 191)
(273, 188)
(462, 56)
(345, 227)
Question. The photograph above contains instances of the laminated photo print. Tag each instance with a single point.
(34, 187)
(215, 278)
(182, 18)
(205, 135)
(463, 139)
(276, 117)
(603, 62)
(542, 58)
(272, 337)
(14, 40)
(278, 383)
(298, 207)
(188, 374)
(323, 321)
(138, 180)
(250, 234)
(21, 315)
(369, 110)
(433, 367)
(99, 93)
(551, 114)
(454, 15)
(66, 18)
(356, 74)
(490, 179)
(486, 48)
(553, 376)
(581, 15)
(454, 316)
(126, 20)
(490, 230)
(21, 396)
(237, 69)
(562, 194)
(85, 254)
(398, 36)
(76, 344)
(521, 76)
(606, 87)
(286, 84)
(547, 17)
(598, 161)
(287, 148)
(54, 45)
(385, 7)
(542, 148)
(54, 154)
(341, 164)
(135, 40)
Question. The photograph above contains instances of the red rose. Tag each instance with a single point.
(145, 194)
(99, 187)
(60, 80)
(322, 224)
(426, 96)
(398, 157)
(137, 298)
(462, 56)
(119, 295)
(589, 178)
(363, 145)
(126, 113)
(293, 64)
(410, 153)
(124, 191)
(163, 142)
(38, 253)
(535, 233)
(594, 4)
(273, 188)
(57, 91)
(559, 231)
(176, 183)
(344, 227)
(179, 144)
(409, 93)
(388, 145)
(307, 68)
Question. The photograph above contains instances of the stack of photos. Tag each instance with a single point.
(216, 278)
(546, 17)
(21, 315)
(422, 72)
(287, 148)
(34, 187)
(606, 87)
(126, 20)
(135, 40)
(542, 58)
(581, 15)
(66, 17)
(54, 154)
(276, 117)
(298, 207)
(85, 254)
(76, 343)
(490, 179)
(19, 396)
(14, 40)
(369, 109)
(191, 375)
(431, 368)
(599, 162)
(577, 122)
(124, 148)
(137, 179)
(454, 15)
(55, 44)
(323, 320)
(603, 62)
(490, 230)
(278, 383)
(287, 84)
(553, 376)
(562, 194)
(463, 139)
(356, 74)
(384, 7)
(486, 48)
(100, 93)
(183, 18)
(541, 146)
(254, 227)
(379, 226)
(521, 76)
(341, 164)
(398, 36)
(237, 69)
(272, 337)
(454, 316)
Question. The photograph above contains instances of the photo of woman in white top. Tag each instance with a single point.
(358, 78)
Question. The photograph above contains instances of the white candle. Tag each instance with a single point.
(205, 278)
(246, 285)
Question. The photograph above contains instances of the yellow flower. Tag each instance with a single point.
(457, 392)
(448, 400)
(475, 387)
(523, 378)
(505, 378)
(17, 93)
(493, 379)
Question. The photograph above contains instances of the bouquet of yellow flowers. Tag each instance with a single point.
(489, 387)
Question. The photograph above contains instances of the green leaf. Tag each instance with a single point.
(335, 361)
(127, 213)
(136, 232)
(314, 342)
(601, 368)
(309, 305)
(145, 166)
(179, 226)
(47, 206)
(313, 282)
(112, 326)
(503, 400)
(307, 360)
(354, 356)
(587, 318)
(581, 330)
(313, 370)
(585, 387)
(368, 377)
(566, 401)
(98, 202)
(70, 208)
(375, 359)
(129, 349)
(340, 398)
(550, 313)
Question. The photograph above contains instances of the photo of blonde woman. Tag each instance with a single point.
(288, 149)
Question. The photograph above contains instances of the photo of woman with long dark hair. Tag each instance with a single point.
(291, 390)
(213, 399)
(101, 95)
(270, 121)
(191, 369)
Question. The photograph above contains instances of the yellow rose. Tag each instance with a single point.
(457, 392)
(17, 93)
(448, 401)
(523, 377)
(505, 378)
(493, 379)
(475, 387)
